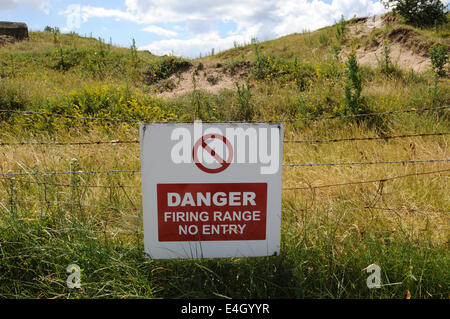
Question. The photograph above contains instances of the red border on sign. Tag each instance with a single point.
(224, 164)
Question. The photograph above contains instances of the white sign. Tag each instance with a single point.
(211, 190)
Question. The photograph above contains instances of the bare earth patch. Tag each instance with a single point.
(210, 78)
(406, 51)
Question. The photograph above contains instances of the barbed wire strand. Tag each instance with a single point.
(70, 143)
(352, 209)
(12, 174)
(284, 209)
(386, 137)
(113, 142)
(66, 185)
(67, 203)
(366, 163)
(364, 182)
(314, 118)
(318, 118)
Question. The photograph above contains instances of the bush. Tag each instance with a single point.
(341, 29)
(420, 13)
(439, 57)
(165, 67)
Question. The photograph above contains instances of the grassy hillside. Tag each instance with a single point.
(329, 234)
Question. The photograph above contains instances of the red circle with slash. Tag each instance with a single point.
(202, 143)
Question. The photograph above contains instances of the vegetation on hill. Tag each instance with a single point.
(329, 234)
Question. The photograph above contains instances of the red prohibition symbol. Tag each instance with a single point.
(223, 163)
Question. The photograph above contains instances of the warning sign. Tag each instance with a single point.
(232, 211)
(211, 190)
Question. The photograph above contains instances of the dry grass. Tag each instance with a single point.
(328, 234)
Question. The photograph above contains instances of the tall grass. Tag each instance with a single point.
(329, 235)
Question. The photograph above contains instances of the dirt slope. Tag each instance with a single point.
(208, 77)
(407, 51)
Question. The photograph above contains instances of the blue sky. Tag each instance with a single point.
(184, 27)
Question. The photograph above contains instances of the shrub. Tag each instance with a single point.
(353, 86)
(439, 57)
(341, 29)
(165, 67)
(245, 109)
(421, 13)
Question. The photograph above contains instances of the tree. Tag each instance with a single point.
(420, 13)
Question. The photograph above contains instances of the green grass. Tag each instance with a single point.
(329, 236)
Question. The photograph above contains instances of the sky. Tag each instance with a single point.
(185, 28)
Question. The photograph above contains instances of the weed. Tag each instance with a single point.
(439, 58)
(244, 108)
(327, 234)
(341, 28)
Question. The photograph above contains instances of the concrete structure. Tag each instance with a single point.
(17, 30)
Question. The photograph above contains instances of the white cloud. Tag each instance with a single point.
(73, 17)
(41, 5)
(160, 31)
(263, 19)
(88, 12)
(193, 47)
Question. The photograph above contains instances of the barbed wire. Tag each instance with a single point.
(366, 163)
(54, 202)
(66, 185)
(131, 121)
(11, 174)
(353, 209)
(385, 137)
(70, 143)
(113, 142)
(318, 118)
(284, 188)
(73, 117)
(365, 181)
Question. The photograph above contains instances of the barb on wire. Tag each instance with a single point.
(366, 163)
(70, 143)
(365, 182)
(366, 138)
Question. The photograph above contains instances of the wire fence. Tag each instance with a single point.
(13, 176)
